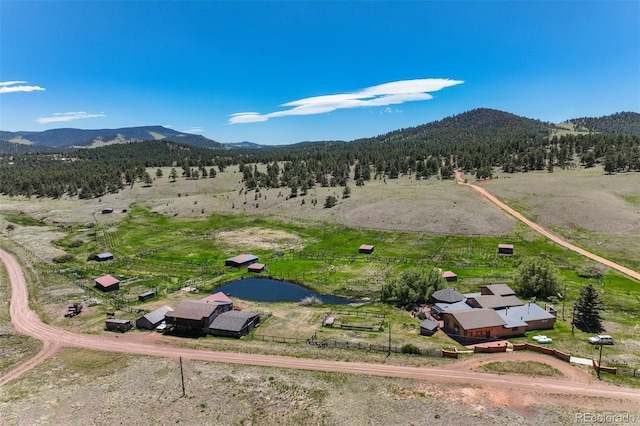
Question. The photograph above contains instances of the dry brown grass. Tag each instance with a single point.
(219, 394)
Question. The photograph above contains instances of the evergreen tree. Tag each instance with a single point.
(588, 309)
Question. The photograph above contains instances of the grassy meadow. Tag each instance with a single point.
(174, 236)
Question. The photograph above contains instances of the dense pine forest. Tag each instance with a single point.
(479, 141)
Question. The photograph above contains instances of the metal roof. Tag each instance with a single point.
(106, 281)
(500, 289)
(478, 318)
(217, 297)
(497, 302)
(429, 325)
(232, 320)
(450, 307)
(194, 310)
(242, 258)
(154, 317)
(524, 313)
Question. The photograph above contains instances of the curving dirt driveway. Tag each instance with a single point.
(27, 322)
(542, 230)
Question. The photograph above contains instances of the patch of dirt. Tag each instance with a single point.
(261, 238)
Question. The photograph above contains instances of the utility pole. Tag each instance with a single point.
(573, 320)
(182, 377)
(600, 361)
(564, 296)
(389, 353)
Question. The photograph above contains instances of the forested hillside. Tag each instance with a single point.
(622, 122)
(478, 141)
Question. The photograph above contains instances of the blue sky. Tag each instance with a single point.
(283, 72)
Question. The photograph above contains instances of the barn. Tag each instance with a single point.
(449, 276)
(234, 324)
(194, 317)
(153, 318)
(107, 283)
(505, 248)
(113, 324)
(101, 257)
(366, 249)
(257, 267)
(241, 260)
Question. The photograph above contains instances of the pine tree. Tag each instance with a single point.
(588, 309)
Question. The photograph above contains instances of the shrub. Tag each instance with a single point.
(410, 349)
(63, 258)
(422, 316)
(311, 300)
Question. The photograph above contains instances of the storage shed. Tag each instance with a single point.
(143, 297)
(152, 319)
(241, 260)
(194, 317)
(428, 327)
(103, 256)
(366, 249)
(234, 324)
(505, 248)
(107, 283)
(449, 276)
(113, 324)
(257, 267)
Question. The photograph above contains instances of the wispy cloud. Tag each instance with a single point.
(393, 93)
(17, 86)
(195, 129)
(68, 116)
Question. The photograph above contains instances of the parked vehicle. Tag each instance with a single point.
(538, 337)
(601, 339)
(545, 339)
(162, 327)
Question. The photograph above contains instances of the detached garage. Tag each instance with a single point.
(234, 324)
(153, 318)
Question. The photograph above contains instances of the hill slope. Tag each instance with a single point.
(67, 137)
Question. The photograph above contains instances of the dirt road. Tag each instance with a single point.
(27, 322)
(555, 238)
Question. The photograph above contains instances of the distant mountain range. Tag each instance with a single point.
(467, 124)
(78, 138)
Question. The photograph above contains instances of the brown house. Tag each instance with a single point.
(194, 317)
(474, 325)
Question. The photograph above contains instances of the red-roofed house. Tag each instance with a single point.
(218, 297)
(107, 283)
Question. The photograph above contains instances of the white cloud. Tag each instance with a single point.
(196, 129)
(68, 116)
(394, 93)
(17, 86)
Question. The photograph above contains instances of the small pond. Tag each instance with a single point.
(268, 290)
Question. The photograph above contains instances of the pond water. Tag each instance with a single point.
(268, 290)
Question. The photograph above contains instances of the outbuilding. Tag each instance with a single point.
(505, 248)
(194, 317)
(257, 267)
(241, 260)
(143, 297)
(101, 257)
(121, 325)
(428, 327)
(152, 319)
(234, 324)
(366, 249)
(449, 276)
(107, 283)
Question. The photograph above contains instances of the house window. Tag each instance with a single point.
(544, 320)
(514, 329)
(478, 333)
